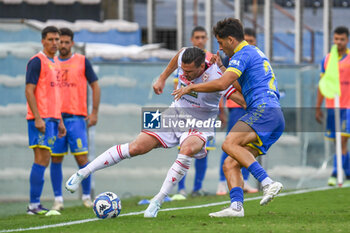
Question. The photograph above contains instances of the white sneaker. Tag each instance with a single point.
(178, 197)
(270, 191)
(88, 203)
(73, 182)
(152, 209)
(228, 212)
(57, 205)
(222, 189)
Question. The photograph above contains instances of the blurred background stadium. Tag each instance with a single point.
(129, 43)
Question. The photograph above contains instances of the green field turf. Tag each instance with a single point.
(317, 211)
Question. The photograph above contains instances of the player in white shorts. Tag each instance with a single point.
(193, 108)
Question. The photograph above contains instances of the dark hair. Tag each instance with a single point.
(193, 54)
(198, 29)
(229, 27)
(49, 29)
(249, 32)
(342, 30)
(67, 32)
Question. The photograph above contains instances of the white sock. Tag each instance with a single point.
(112, 156)
(177, 171)
(34, 205)
(85, 197)
(237, 205)
(59, 199)
(266, 181)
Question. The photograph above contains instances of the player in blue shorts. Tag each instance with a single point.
(43, 113)
(235, 112)
(263, 122)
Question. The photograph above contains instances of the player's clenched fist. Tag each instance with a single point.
(158, 86)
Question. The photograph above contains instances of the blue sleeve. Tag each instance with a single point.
(322, 65)
(89, 72)
(33, 71)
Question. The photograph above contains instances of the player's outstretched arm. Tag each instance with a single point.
(158, 86)
(239, 99)
(213, 86)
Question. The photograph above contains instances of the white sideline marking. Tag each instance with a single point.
(162, 210)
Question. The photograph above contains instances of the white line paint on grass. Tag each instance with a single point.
(162, 210)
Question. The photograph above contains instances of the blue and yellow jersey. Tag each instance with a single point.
(256, 76)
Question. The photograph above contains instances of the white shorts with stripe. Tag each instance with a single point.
(172, 138)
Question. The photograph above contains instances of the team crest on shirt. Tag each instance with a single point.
(205, 77)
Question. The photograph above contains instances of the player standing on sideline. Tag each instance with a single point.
(76, 72)
(235, 112)
(263, 122)
(43, 112)
(341, 39)
(192, 141)
(199, 38)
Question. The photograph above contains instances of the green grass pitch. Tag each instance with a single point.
(317, 211)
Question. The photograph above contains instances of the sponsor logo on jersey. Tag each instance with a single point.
(192, 93)
(234, 63)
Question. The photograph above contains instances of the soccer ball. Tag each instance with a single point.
(107, 205)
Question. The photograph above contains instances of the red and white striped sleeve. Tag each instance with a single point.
(229, 91)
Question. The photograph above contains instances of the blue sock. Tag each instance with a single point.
(346, 165)
(36, 181)
(236, 194)
(56, 178)
(257, 171)
(86, 183)
(181, 184)
(201, 168)
(334, 172)
(245, 173)
(222, 175)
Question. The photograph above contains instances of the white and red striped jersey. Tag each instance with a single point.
(201, 105)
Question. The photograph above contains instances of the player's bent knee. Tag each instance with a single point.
(229, 146)
(136, 149)
(229, 165)
(187, 150)
(226, 145)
